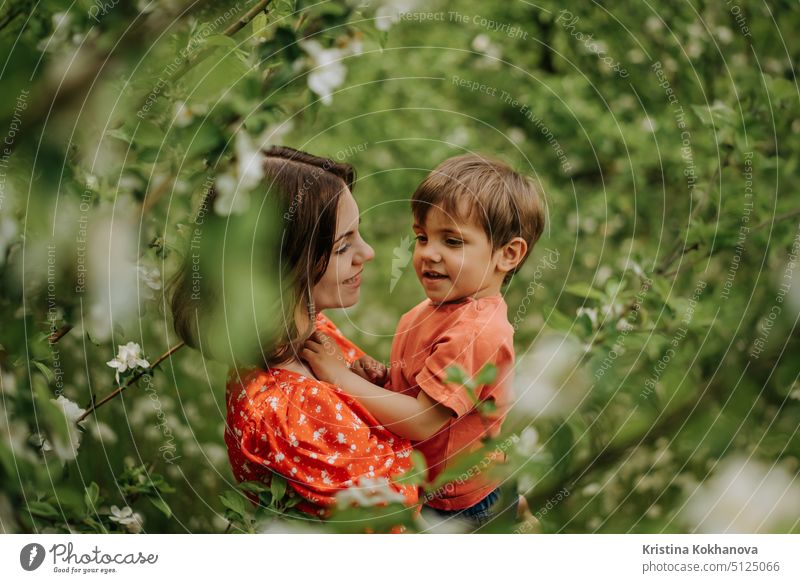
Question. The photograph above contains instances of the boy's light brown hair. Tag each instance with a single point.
(474, 187)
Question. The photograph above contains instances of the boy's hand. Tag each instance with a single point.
(372, 370)
(325, 358)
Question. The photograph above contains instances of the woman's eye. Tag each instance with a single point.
(343, 248)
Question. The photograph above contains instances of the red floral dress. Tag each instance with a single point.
(311, 433)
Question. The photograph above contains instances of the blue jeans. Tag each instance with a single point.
(480, 513)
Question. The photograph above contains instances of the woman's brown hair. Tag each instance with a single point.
(288, 236)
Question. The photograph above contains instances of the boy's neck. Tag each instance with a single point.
(486, 292)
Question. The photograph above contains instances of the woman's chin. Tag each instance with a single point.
(347, 298)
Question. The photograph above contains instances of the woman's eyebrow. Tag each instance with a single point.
(348, 233)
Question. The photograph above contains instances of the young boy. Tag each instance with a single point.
(476, 221)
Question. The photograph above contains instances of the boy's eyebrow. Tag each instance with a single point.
(446, 231)
(348, 233)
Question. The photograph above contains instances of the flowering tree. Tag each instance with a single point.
(655, 321)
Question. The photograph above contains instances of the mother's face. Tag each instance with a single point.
(341, 283)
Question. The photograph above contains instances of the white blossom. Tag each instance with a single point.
(649, 124)
(233, 190)
(528, 443)
(430, 522)
(327, 70)
(72, 412)
(185, 113)
(62, 22)
(516, 135)
(113, 276)
(653, 24)
(128, 357)
(745, 495)
(103, 432)
(8, 232)
(724, 34)
(548, 379)
(591, 313)
(127, 518)
(623, 325)
(388, 13)
(369, 492)
(249, 162)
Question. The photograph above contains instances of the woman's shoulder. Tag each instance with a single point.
(326, 326)
(275, 392)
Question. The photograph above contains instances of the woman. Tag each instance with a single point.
(280, 418)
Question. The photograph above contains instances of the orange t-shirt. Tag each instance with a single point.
(429, 339)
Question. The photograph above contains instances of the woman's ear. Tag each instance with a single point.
(512, 254)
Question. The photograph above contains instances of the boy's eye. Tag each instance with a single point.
(421, 238)
(454, 242)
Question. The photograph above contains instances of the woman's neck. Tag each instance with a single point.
(297, 366)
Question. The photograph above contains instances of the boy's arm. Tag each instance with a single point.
(416, 419)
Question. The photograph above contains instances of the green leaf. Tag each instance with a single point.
(460, 468)
(560, 322)
(718, 115)
(418, 471)
(585, 291)
(260, 26)
(234, 501)
(456, 375)
(161, 505)
(487, 375)
(43, 509)
(216, 74)
(254, 487)
(221, 40)
(48, 374)
(91, 496)
(277, 487)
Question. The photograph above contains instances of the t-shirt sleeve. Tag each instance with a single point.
(351, 351)
(467, 350)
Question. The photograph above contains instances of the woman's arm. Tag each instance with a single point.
(415, 419)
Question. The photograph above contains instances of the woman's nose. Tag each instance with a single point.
(366, 253)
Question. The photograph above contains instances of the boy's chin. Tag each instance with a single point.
(443, 296)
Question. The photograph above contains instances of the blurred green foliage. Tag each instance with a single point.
(666, 141)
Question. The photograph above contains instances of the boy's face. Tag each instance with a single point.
(453, 258)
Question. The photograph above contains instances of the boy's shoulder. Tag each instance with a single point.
(483, 316)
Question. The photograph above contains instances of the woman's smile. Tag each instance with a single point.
(354, 281)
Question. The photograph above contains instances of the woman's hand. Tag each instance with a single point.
(325, 358)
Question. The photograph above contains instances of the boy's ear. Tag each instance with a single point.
(511, 254)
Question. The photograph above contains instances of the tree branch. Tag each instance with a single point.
(249, 15)
(130, 381)
(59, 334)
(777, 219)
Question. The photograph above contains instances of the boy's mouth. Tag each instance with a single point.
(433, 275)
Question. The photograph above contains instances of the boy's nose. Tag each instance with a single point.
(430, 254)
